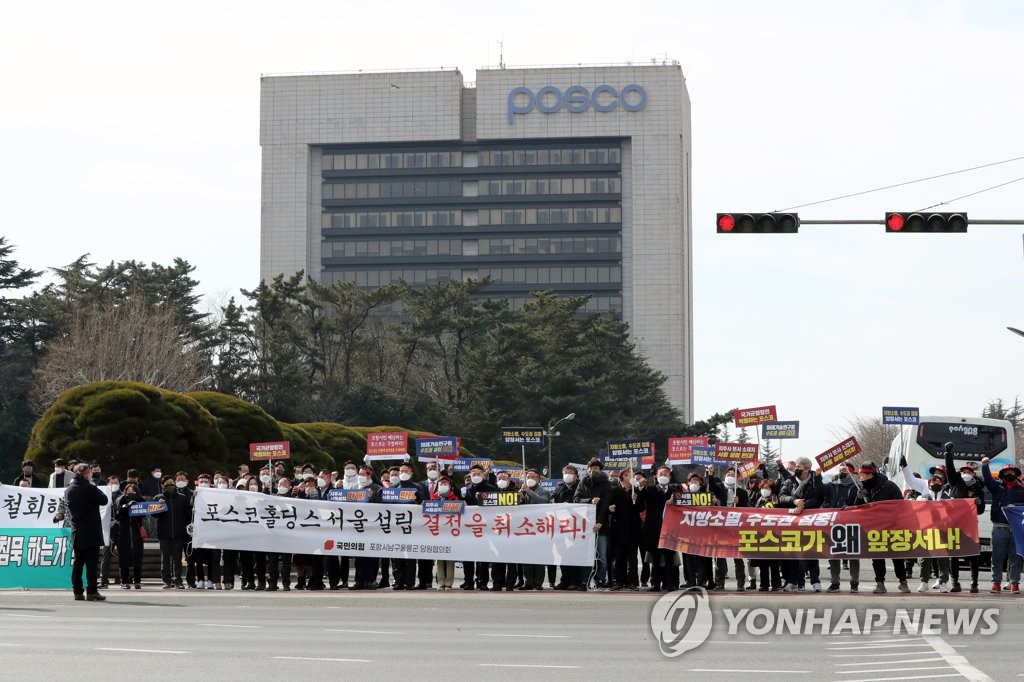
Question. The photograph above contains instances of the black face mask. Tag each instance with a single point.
(936, 487)
(870, 482)
(844, 474)
(1008, 478)
(798, 472)
(169, 489)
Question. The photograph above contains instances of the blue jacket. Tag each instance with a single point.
(1002, 496)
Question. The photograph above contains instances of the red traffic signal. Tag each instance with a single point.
(919, 221)
(758, 223)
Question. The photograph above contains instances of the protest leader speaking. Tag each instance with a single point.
(84, 501)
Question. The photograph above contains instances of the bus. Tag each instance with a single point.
(973, 438)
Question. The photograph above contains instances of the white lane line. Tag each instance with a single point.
(497, 634)
(898, 639)
(875, 646)
(889, 663)
(113, 620)
(902, 670)
(523, 665)
(310, 658)
(22, 615)
(912, 677)
(900, 653)
(959, 663)
(745, 670)
(226, 625)
(141, 651)
(367, 632)
(9, 644)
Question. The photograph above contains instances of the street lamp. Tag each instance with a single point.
(1016, 331)
(550, 433)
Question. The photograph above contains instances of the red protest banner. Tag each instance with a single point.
(745, 470)
(752, 416)
(262, 452)
(679, 449)
(387, 443)
(838, 454)
(736, 452)
(880, 530)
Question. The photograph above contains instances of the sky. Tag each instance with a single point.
(131, 131)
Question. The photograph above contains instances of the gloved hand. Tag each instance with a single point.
(903, 461)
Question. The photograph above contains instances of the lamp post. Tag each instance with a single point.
(550, 433)
(1016, 331)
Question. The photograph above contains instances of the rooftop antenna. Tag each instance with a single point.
(501, 54)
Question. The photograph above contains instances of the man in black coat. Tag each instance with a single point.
(83, 501)
(964, 484)
(28, 468)
(478, 484)
(172, 531)
(875, 488)
(664, 562)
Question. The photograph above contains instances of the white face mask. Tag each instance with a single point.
(569, 478)
(730, 480)
(363, 481)
(157, 474)
(477, 480)
(531, 482)
(404, 476)
(204, 485)
(766, 493)
(180, 484)
(308, 475)
(58, 470)
(968, 479)
(265, 478)
(443, 490)
(253, 489)
(432, 474)
(222, 486)
(321, 483)
(502, 483)
(695, 487)
(663, 480)
(285, 490)
(350, 473)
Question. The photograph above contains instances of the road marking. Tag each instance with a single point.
(226, 625)
(497, 634)
(113, 620)
(367, 632)
(900, 653)
(310, 658)
(912, 660)
(902, 670)
(745, 670)
(524, 665)
(875, 646)
(914, 677)
(22, 615)
(142, 651)
(9, 644)
(959, 663)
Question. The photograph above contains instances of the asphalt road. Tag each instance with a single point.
(181, 635)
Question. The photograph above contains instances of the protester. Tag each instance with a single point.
(171, 530)
(130, 544)
(770, 569)
(732, 495)
(664, 562)
(595, 489)
(84, 500)
(964, 484)
(875, 488)
(61, 477)
(934, 489)
(443, 489)
(1008, 491)
(28, 468)
(841, 492)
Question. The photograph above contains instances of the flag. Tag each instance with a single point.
(1015, 517)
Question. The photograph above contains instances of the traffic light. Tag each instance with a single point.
(921, 221)
(758, 223)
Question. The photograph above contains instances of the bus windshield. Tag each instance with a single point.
(971, 442)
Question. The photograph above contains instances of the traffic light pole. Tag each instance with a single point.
(974, 221)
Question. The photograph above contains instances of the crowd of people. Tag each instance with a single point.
(629, 512)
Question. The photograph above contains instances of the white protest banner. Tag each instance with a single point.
(560, 534)
(36, 507)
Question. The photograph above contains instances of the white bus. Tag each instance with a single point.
(973, 438)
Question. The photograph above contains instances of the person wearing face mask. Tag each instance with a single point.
(803, 490)
(697, 570)
(476, 572)
(334, 567)
(150, 486)
(841, 492)
(876, 488)
(625, 535)
(565, 492)
(664, 562)
(596, 489)
(934, 489)
(129, 539)
(366, 567)
(731, 494)
(203, 570)
(425, 567)
(770, 570)
(532, 493)
(83, 501)
(1007, 491)
(964, 484)
(503, 574)
(28, 468)
(61, 477)
(444, 490)
(405, 569)
(171, 530)
(280, 563)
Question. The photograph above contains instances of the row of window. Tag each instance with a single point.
(396, 189)
(544, 186)
(472, 218)
(387, 160)
(545, 156)
(549, 157)
(424, 276)
(520, 246)
(456, 188)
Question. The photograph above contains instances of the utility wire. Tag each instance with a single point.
(903, 184)
(943, 203)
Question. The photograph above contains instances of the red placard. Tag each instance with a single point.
(736, 452)
(745, 470)
(880, 530)
(387, 443)
(752, 416)
(838, 454)
(679, 448)
(265, 452)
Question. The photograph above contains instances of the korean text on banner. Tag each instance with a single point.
(838, 454)
(387, 443)
(522, 435)
(752, 416)
(880, 530)
(36, 507)
(679, 448)
(546, 534)
(780, 430)
(736, 452)
(266, 452)
(628, 453)
(437, 447)
(901, 415)
(35, 558)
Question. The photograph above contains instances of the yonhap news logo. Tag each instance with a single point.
(682, 621)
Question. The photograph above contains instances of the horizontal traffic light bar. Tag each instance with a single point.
(925, 221)
(758, 223)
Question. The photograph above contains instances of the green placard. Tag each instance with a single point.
(38, 558)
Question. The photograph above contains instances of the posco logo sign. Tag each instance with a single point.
(575, 99)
